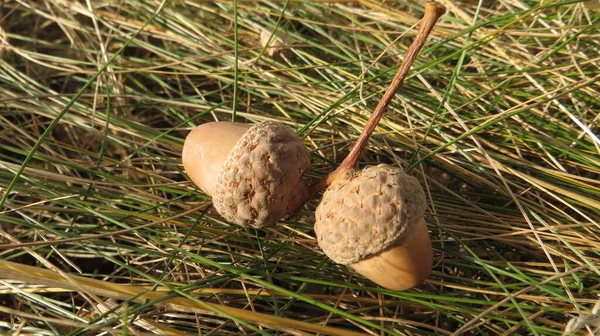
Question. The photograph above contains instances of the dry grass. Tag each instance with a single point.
(498, 119)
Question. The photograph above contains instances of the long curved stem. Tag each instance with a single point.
(433, 12)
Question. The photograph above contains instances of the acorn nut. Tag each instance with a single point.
(372, 220)
(253, 173)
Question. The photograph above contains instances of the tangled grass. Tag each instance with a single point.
(101, 232)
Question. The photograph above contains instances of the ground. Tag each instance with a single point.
(498, 120)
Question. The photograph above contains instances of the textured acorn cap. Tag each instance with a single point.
(261, 180)
(366, 212)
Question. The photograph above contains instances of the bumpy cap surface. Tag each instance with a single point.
(364, 213)
(261, 181)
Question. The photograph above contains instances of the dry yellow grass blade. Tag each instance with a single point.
(61, 321)
(543, 185)
(40, 276)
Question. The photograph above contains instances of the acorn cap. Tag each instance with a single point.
(366, 212)
(261, 179)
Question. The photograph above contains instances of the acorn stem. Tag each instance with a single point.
(433, 12)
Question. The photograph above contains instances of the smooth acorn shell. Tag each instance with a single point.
(206, 148)
(403, 266)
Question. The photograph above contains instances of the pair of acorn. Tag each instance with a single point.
(370, 219)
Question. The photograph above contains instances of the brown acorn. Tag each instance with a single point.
(254, 173)
(372, 220)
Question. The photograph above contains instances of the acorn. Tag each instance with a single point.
(372, 220)
(253, 173)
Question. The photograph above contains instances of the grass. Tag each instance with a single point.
(101, 231)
